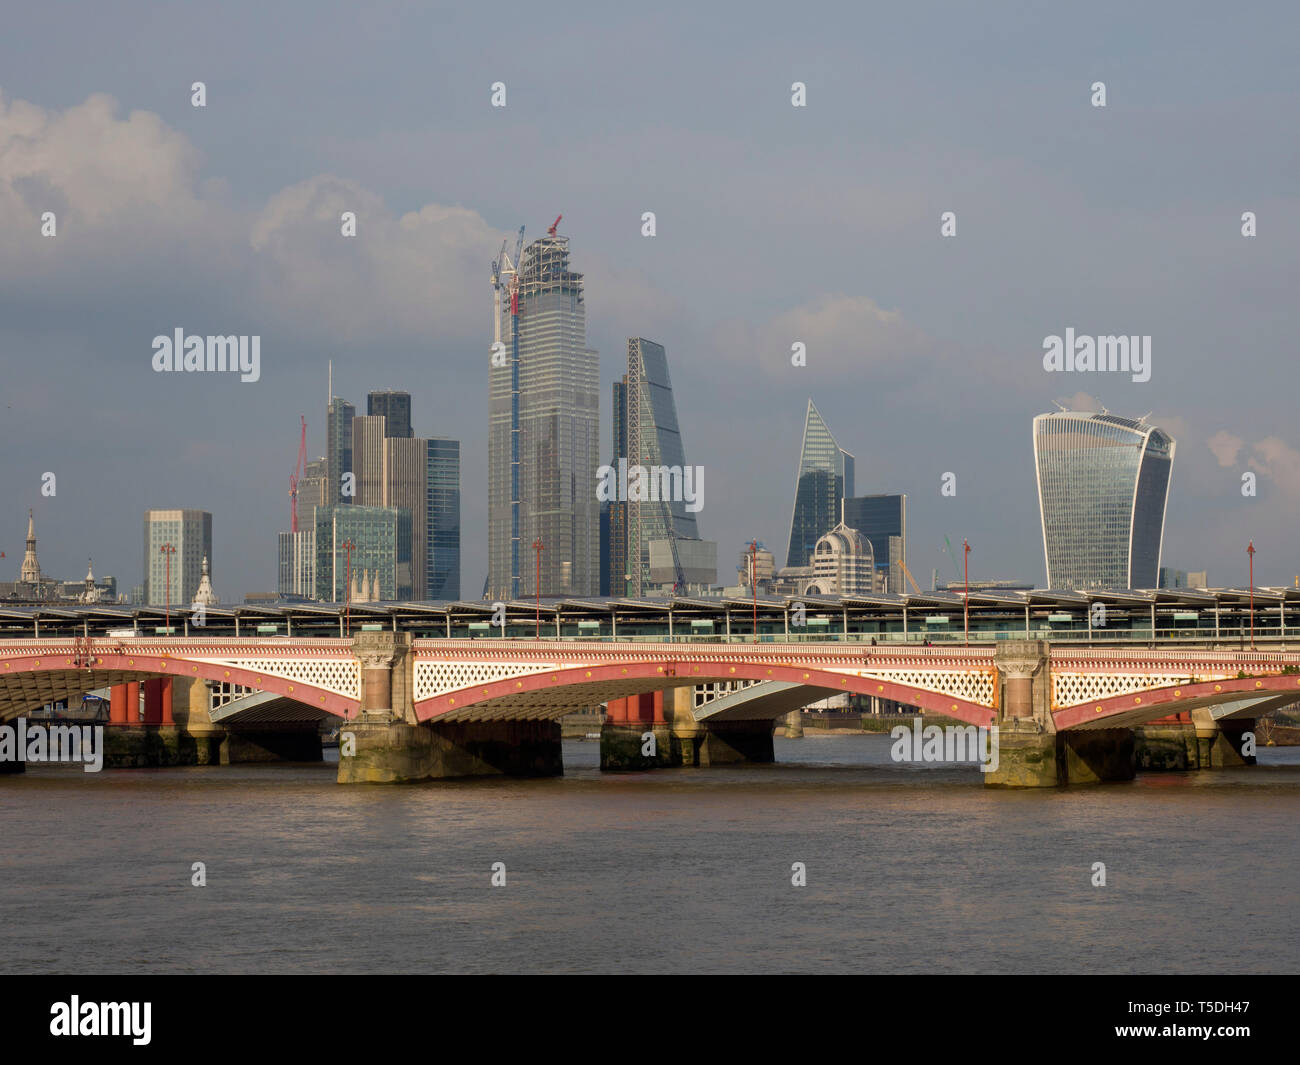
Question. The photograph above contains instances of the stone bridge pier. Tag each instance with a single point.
(386, 744)
(658, 730)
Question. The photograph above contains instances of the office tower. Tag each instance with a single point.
(297, 559)
(190, 533)
(312, 488)
(442, 521)
(882, 519)
(1103, 483)
(394, 408)
(382, 551)
(338, 450)
(616, 577)
(824, 480)
(558, 445)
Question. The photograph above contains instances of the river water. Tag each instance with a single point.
(909, 869)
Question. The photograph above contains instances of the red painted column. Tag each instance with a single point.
(132, 702)
(658, 708)
(167, 701)
(645, 710)
(153, 701)
(117, 705)
(617, 710)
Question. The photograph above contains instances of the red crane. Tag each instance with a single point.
(555, 225)
(297, 472)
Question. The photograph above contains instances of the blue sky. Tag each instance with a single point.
(775, 224)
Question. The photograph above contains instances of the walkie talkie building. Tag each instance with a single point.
(1103, 482)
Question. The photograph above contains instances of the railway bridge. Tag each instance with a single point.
(412, 707)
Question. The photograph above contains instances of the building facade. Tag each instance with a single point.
(442, 519)
(338, 448)
(1103, 484)
(842, 564)
(882, 519)
(189, 532)
(824, 480)
(394, 408)
(381, 552)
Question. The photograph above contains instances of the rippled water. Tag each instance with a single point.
(910, 869)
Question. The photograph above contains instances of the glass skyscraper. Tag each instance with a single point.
(338, 450)
(382, 539)
(1103, 483)
(882, 519)
(559, 421)
(653, 439)
(825, 478)
(395, 408)
(442, 519)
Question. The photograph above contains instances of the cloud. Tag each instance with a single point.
(1225, 446)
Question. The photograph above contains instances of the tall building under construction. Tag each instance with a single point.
(557, 424)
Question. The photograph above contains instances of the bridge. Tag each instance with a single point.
(425, 707)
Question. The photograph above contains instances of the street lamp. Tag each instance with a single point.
(348, 546)
(537, 584)
(965, 558)
(167, 550)
(1250, 553)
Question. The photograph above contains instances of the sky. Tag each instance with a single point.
(775, 224)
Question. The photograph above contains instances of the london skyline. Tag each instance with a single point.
(921, 358)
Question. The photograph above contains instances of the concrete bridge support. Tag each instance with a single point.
(659, 730)
(1194, 740)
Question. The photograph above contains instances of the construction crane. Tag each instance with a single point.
(504, 265)
(554, 225)
(677, 562)
(908, 574)
(297, 472)
(952, 555)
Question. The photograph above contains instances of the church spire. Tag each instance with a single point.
(31, 570)
(205, 596)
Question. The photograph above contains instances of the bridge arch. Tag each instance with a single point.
(555, 692)
(1137, 708)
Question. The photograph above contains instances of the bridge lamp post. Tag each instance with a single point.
(1250, 554)
(349, 547)
(537, 584)
(965, 558)
(167, 550)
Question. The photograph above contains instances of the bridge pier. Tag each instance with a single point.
(679, 740)
(393, 752)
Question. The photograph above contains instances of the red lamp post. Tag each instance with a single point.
(167, 550)
(348, 546)
(965, 558)
(537, 584)
(1250, 554)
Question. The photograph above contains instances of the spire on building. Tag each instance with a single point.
(205, 596)
(91, 593)
(31, 569)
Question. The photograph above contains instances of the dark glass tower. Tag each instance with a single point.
(338, 450)
(1103, 483)
(825, 478)
(395, 408)
(442, 524)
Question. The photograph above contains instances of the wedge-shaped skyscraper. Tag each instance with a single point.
(1103, 482)
(825, 478)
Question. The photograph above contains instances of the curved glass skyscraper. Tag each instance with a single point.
(1103, 482)
(824, 480)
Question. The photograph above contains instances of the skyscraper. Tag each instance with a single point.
(1103, 483)
(825, 478)
(614, 571)
(189, 532)
(559, 420)
(442, 519)
(653, 439)
(882, 519)
(394, 408)
(338, 451)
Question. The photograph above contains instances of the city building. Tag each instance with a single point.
(558, 426)
(882, 519)
(1177, 578)
(394, 408)
(188, 534)
(381, 552)
(338, 447)
(824, 480)
(313, 487)
(763, 563)
(297, 558)
(1103, 483)
(647, 435)
(613, 533)
(442, 519)
(205, 596)
(842, 564)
